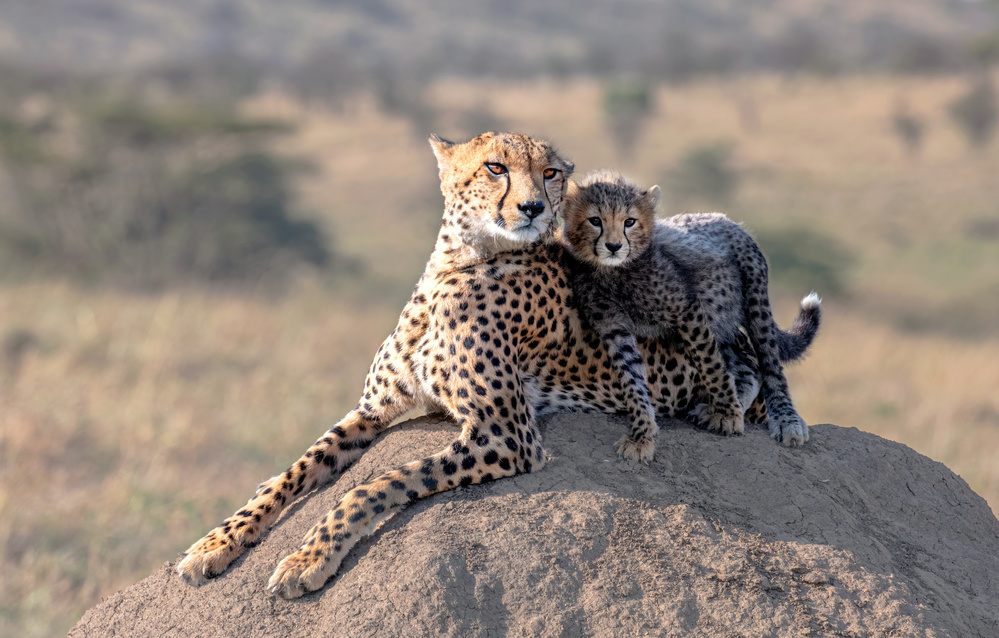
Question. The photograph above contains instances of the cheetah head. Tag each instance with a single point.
(502, 191)
(608, 220)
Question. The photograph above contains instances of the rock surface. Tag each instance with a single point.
(851, 535)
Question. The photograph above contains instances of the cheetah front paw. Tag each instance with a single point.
(301, 572)
(717, 419)
(209, 557)
(641, 450)
(790, 430)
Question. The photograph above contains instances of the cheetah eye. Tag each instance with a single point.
(496, 169)
(628, 223)
(550, 173)
(595, 221)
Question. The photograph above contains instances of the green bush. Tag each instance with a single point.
(976, 112)
(627, 104)
(121, 191)
(909, 128)
(706, 172)
(328, 76)
(402, 95)
(802, 259)
(218, 78)
(224, 222)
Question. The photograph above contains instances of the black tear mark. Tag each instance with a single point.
(544, 184)
(596, 242)
(499, 208)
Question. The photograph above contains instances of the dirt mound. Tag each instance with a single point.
(851, 535)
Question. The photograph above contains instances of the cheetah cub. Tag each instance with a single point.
(698, 276)
(627, 287)
(731, 277)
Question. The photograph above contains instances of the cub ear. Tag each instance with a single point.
(442, 151)
(571, 189)
(653, 196)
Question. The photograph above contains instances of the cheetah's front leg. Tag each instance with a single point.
(618, 334)
(330, 455)
(481, 453)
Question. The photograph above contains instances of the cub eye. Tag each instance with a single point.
(496, 169)
(628, 223)
(550, 173)
(595, 221)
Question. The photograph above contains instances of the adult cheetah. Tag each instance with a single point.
(489, 336)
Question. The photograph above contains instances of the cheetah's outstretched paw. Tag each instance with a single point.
(716, 419)
(301, 572)
(641, 450)
(209, 557)
(790, 430)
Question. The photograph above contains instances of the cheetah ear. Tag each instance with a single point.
(442, 151)
(653, 196)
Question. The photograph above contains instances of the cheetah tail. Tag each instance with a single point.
(794, 342)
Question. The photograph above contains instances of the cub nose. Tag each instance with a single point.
(531, 209)
(613, 247)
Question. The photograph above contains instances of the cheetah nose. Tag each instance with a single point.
(613, 247)
(532, 209)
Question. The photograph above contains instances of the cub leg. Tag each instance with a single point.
(786, 426)
(740, 361)
(618, 334)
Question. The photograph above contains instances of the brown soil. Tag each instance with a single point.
(851, 535)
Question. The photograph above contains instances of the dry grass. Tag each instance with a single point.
(135, 423)
(936, 395)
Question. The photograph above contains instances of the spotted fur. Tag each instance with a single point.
(626, 286)
(635, 276)
(731, 276)
(491, 337)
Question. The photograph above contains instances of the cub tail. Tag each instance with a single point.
(793, 343)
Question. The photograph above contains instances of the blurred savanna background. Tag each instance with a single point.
(212, 212)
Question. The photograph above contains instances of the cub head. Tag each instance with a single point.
(608, 220)
(502, 191)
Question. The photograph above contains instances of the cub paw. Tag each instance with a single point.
(641, 450)
(301, 572)
(791, 430)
